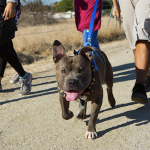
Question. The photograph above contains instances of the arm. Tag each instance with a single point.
(13, 1)
(116, 9)
(10, 9)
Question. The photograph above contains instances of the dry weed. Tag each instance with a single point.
(36, 42)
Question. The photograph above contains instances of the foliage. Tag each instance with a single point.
(107, 4)
(66, 5)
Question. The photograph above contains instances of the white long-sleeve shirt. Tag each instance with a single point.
(13, 1)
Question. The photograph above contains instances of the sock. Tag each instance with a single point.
(23, 76)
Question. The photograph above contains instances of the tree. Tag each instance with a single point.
(66, 5)
(107, 4)
(56, 7)
(34, 6)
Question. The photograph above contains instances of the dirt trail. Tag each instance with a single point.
(34, 121)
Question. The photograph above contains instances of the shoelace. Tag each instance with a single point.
(16, 76)
(23, 84)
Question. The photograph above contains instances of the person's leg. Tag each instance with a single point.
(142, 11)
(85, 36)
(15, 78)
(94, 39)
(147, 80)
(142, 60)
(128, 10)
(3, 66)
(142, 52)
(12, 59)
(2, 69)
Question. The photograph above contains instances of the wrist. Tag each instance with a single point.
(116, 7)
(11, 4)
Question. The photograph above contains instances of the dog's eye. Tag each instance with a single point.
(63, 71)
(80, 70)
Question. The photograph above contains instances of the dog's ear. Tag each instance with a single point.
(86, 52)
(58, 51)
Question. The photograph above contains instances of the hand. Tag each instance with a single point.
(9, 11)
(116, 12)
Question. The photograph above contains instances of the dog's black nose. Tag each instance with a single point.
(72, 83)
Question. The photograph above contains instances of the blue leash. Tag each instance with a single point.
(92, 24)
(94, 59)
(90, 34)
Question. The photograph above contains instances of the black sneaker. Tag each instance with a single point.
(139, 93)
(147, 83)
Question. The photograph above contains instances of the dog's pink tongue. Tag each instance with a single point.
(71, 96)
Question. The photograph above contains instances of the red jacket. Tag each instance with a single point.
(83, 13)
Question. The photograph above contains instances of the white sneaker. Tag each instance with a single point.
(15, 79)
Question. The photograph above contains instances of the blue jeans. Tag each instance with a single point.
(93, 40)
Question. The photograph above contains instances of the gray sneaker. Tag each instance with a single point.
(25, 84)
(15, 79)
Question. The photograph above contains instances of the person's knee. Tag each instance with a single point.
(143, 44)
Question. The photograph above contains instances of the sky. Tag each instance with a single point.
(50, 1)
(46, 2)
(53, 1)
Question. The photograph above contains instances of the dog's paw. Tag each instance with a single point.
(68, 115)
(91, 135)
(81, 115)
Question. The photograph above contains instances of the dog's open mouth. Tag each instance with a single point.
(72, 95)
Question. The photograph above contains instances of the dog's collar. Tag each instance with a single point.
(61, 91)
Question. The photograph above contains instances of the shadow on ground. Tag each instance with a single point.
(33, 95)
(139, 116)
(125, 74)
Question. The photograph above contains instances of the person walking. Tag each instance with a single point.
(136, 22)
(7, 53)
(2, 61)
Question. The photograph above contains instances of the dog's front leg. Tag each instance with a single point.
(66, 113)
(95, 108)
(82, 113)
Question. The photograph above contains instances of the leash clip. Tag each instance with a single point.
(89, 40)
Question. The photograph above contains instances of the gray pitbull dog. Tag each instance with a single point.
(74, 76)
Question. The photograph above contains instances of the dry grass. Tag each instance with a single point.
(31, 46)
